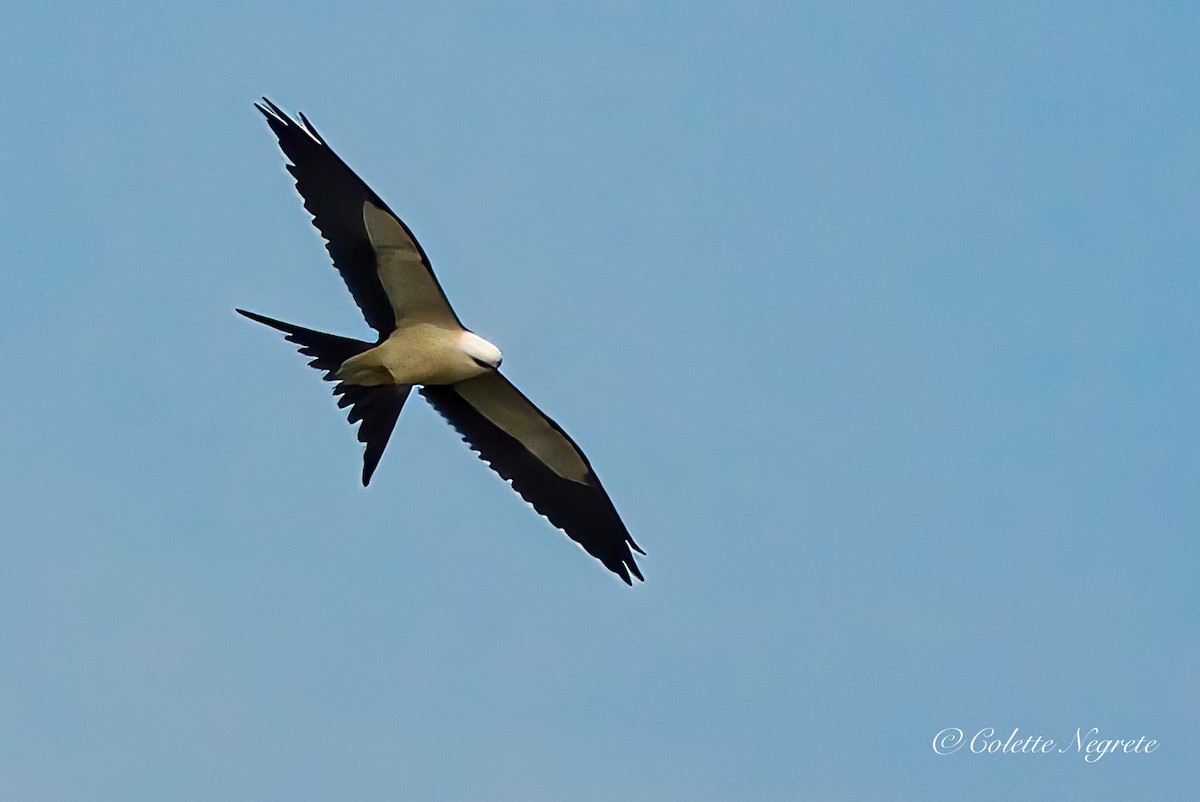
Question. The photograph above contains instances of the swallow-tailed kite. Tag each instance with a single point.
(422, 342)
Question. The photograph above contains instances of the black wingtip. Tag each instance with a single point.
(624, 567)
(280, 122)
(308, 126)
(633, 569)
(274, 111)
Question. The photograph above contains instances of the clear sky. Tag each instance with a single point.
(879, 322)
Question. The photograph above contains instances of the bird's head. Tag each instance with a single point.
(483, 352)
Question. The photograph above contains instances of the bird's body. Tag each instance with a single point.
(422, 343)
(419, 352)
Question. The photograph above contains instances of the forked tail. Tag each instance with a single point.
(375, 408)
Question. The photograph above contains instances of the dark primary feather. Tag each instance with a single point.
(583, 511)
(375, 409)
(334, 195)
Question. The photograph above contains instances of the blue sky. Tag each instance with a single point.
(879, 324)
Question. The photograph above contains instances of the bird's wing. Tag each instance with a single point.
(541, 462)
(380, 260)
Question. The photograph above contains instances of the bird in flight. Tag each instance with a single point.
(421, 342)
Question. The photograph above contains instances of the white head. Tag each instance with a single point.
(483, 352)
